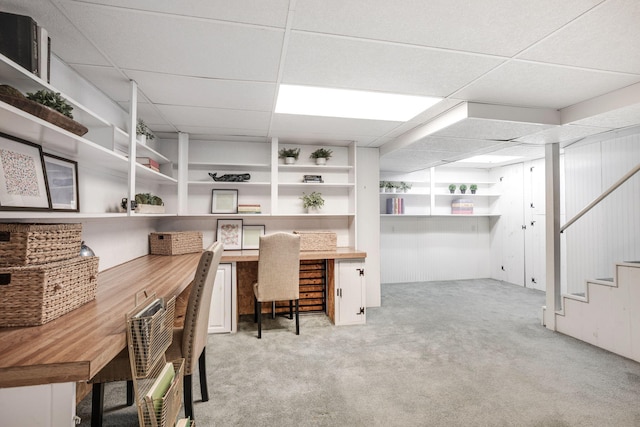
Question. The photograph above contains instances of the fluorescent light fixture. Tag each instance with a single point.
(354, 104)
(489, 158)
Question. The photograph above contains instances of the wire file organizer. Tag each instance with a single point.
(149, 335)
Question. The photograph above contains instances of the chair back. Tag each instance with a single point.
(196, 320)
(279, 267)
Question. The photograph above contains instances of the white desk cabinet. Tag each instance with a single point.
(220, 313)
(350, 292)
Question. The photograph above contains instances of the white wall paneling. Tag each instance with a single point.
(609, 232)
(415, 249)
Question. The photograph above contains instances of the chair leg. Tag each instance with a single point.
(259, 304)
(187, 393)
(129, 392)
(290, 309)
(202, 365)
(273, 309)
(255, 309)
(97, 400)
(297, 318)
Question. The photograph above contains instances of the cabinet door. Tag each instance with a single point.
(220, 309)
(350, 292)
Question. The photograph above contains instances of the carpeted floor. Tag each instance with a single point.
(455, 353)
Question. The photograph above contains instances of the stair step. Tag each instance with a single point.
(606, 279)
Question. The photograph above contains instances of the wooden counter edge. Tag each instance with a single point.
(252, 255)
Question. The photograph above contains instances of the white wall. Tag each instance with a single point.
(611, 231)
(415, 249)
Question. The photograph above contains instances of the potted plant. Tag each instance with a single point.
(312, 202)
(390, 187)
(148, 203)
(383, 184)
(52, 100)
(143, 131)
(290, 155)
(473, 188)
(452, 188)
(463, 188)
(403, 186)
(321, 155)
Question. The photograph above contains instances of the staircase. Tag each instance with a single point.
(608, 314)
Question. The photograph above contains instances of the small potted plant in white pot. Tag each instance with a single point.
(143, 132)
(312, 202)
(290, 155)
(452, 188)
(473, 188)
(321, 155)
(383, 184)
(463, 188)
(404, 187)
(390, 187)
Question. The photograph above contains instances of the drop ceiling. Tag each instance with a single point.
(526, 73)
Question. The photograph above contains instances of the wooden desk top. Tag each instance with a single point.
(252, 255)
(75, 346)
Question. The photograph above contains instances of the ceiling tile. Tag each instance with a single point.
(182, 116)
(271, 13)
(606, 38)
(560, 134)
(452, 145)
(355, 64)
(202, 92)
(500, 27)
(498, 130)
(538, 85)
(183, 46)
(108, 80)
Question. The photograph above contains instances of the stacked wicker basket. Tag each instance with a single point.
(42, 275)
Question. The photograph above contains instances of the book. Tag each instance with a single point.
(312, 178)
(395, 205)
(149, 162)
(160, 386)
(184, 422)
(44, 54)
(19, 40)
(141, 328)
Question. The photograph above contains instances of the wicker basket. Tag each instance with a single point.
(36, 294)
(317, 240)
(175, 242)
(28, 244)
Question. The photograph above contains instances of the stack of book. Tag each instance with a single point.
(462, 207)
(149, 162)
(249, 209)
(312, 178)
(395, 205)
(185, 422)
(26, 43)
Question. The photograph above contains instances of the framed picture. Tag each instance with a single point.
(23, 183)
(62, 176)
(251, 236)
(224, 201)
(230, 233)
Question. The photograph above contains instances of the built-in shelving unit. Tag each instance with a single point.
(102, 153)
(429, 195)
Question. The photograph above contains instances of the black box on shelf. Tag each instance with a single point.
(19, 40)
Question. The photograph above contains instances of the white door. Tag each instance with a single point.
(350, 292)
(220, 309)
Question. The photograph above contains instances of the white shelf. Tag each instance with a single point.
(228, 184)
(316, 184)
(250, 166)
(315, 168)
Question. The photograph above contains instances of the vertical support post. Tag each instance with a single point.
(183, 173)
(275, 205)
(133, 121)
(552, 234)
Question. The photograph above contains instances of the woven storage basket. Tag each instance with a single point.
(27, 244)
(317, 240)
(36, 294)
(175, 242)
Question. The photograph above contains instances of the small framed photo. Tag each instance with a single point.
(251, 236)
(62, 176)
(224, 201)
(23, 183)
(230, 233)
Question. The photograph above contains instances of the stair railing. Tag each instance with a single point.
(601, 197)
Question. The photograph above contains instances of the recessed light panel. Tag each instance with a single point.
(353, 104)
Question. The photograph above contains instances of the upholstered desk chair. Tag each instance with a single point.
(189, 341)
(278, 274)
